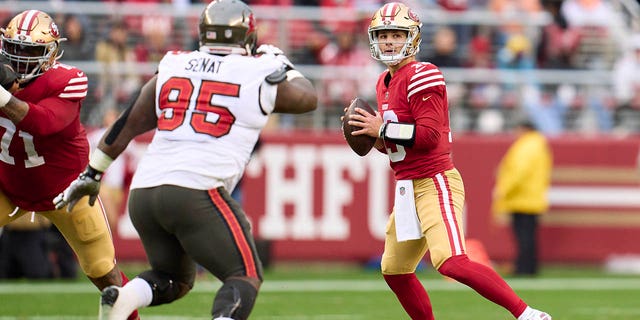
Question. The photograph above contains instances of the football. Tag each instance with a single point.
(361, 144)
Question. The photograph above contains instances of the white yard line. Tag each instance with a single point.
(547, 284)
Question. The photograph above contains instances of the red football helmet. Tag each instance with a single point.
(31, 42)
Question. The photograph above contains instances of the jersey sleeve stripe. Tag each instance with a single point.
(424, 73)
(76, 87)
(428, 85)
(423, 80)
(76, 80)
(73, 95)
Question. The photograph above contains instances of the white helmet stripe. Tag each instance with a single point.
(389, 11)
(27, 22)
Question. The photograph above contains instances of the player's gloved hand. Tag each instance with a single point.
(271, 49)
(8, 76)
(87, 184)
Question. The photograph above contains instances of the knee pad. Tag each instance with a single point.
(235, 299)
(164, 288)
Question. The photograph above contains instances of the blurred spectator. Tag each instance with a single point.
(593, 20)
(78, 46)
(444, 49)
(510, 7)
(480, 54)
(626, 85)
(117, 80)
(580, 13)
(558, 44)
(516, 52)
(598, 109)
(24, 250)
(547, 106)
(342, 84)
(156, 42)
(626, 76)
(463, 32)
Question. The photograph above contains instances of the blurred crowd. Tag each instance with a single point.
(588, 52)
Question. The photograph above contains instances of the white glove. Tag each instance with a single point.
(271, 49)
(87, 184)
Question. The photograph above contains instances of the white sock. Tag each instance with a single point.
(526, 313)
(136, 294)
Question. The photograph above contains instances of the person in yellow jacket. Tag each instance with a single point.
(522, 184)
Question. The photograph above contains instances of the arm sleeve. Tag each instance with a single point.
(430, 112)
(49, 116)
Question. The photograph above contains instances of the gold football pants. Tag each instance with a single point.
(439, 204)
(85, 229)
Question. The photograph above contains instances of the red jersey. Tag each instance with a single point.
(48, 149)
(417, 94)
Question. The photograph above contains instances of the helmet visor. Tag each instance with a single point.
(23, 49)
(26, 58)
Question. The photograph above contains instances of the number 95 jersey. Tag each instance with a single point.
(210, 112)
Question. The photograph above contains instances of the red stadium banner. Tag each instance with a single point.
(314, 199)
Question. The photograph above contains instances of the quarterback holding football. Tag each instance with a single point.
(412, 128)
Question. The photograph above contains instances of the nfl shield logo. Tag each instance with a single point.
(402, 191)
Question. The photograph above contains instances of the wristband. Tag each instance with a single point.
(381, 131)
(400, 131)
(99, 160)
(403, 134)
(292, 74)
(93, 173)
(5, 96)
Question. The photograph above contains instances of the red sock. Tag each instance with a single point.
(483, 280)
(134, 314)
(411, 294)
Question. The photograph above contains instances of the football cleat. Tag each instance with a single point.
(534, 314)
(107, 300)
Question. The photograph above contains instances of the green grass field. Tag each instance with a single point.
(330, 292)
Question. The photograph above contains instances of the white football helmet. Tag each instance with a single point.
(228, 26)
(31, 42)
(395, 16)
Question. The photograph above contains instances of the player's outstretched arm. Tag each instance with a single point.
(137, 119)
(296, 96)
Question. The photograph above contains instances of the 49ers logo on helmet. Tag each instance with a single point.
(413, 16)
(54, 30)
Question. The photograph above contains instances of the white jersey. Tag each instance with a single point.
(210, 112)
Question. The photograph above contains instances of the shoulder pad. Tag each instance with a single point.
(277, 76)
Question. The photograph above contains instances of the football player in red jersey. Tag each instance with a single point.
(44, 146)
(412, 127)
(207, 108)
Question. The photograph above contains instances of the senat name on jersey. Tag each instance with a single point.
(203, 65)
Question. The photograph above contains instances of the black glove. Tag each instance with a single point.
(7, 75)
(87, 184)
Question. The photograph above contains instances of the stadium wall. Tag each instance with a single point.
(314, 199)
